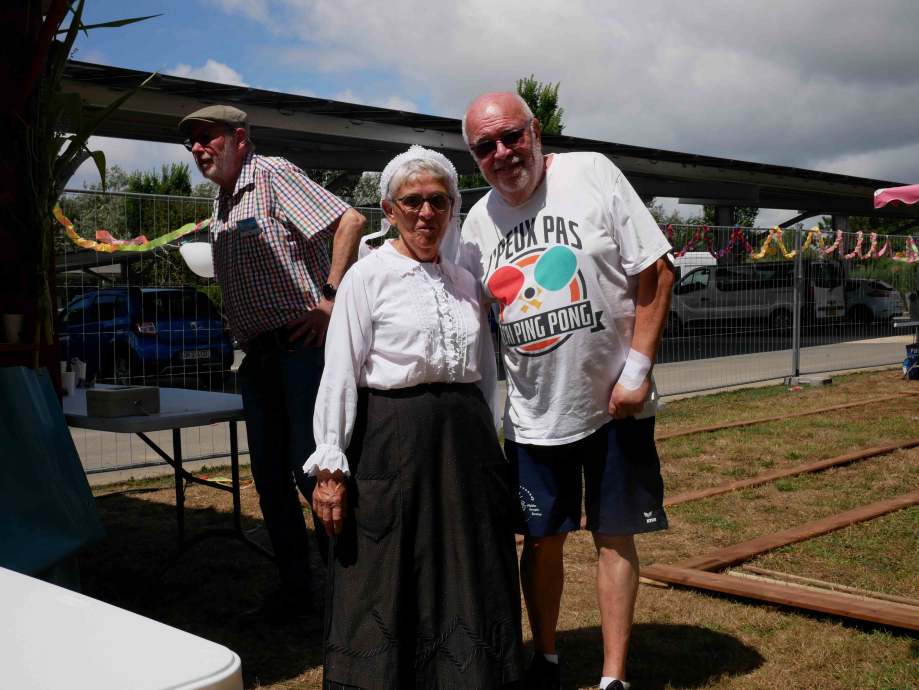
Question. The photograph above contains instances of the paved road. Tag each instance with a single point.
(729, 360)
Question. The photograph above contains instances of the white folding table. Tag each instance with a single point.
(53, 638)
(179, 409)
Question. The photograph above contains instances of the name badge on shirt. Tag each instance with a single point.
(248, 227)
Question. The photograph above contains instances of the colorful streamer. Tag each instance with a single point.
(106, 243)
(911, 255)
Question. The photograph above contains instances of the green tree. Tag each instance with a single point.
(543, 101)
(744, 216)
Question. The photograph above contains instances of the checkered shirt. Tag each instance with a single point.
(268, 241)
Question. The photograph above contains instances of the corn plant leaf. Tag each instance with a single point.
(72, 105)
(94, 124)
(114, 24)
(99, 158)
(61, 57)
(78, 143)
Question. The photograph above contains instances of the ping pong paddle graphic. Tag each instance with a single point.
(505, 284)
(555, 268)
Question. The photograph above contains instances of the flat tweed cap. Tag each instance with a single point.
(216, 114)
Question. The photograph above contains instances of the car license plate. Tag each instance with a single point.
(196, 354)
(831, 312)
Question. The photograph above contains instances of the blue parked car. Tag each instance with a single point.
(129, 333)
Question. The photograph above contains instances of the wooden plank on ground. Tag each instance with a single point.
(883, 612)
(696, 494)
(760, 420)
(731, 555)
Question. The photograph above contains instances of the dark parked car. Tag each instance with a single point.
(126, 333)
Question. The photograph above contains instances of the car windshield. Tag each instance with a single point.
(165, 305)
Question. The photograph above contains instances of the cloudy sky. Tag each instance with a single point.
(823, 84)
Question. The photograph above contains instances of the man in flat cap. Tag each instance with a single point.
(268, 237)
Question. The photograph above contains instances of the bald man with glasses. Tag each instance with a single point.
(580, 274)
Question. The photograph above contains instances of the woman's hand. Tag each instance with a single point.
(330, 500)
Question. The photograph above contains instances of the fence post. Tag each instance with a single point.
(796, 327)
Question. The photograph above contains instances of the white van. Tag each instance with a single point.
(690, 260)
(756, 292)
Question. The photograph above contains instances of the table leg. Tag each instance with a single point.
(180, 484)
(182, 476)
(234, 462)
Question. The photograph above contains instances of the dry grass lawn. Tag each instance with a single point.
(682, 638)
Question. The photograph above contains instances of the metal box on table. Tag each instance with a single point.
(122, 401)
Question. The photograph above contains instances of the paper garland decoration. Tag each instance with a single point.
(703, 234)
(104, 241)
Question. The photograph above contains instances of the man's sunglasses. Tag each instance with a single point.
(511, 140)
(415, 202)
(204, 138)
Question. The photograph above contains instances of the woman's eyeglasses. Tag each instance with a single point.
(204, 138)
(511, 140)
(415, 202)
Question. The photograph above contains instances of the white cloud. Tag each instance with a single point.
(397, 103)
(780, 82)
(347, 96)
(95, 56)
(253, 9)
(212, 70)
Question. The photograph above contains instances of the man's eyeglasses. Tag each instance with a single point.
(204, 138)
(415, 202)
(511, 140)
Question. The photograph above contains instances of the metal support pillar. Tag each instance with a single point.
(842, 223)
(724, 220)
(797, 315)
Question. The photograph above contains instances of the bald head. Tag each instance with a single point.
(494, 103)
(504, 138)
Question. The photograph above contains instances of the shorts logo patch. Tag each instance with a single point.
(528, 503)
(649, 518)
(649, 514)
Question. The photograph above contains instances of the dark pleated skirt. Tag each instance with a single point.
(424, 582)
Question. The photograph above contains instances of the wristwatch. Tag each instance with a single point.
(328, 291)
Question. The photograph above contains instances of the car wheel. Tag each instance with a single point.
(674, 327)
(121, 365)
(863, 316)
(781, 321)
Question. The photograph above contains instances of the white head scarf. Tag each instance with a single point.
(449, 245)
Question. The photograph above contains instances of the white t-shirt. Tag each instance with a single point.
(564, 269)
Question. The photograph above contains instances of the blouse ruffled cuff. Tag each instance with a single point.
(326, 457)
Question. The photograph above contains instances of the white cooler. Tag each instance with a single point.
(52, 638)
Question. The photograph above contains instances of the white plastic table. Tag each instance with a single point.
(53, 638)
(179, 409)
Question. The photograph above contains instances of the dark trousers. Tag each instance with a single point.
(279, 392)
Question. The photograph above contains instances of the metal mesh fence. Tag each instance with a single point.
(145, 318)
(798, 310)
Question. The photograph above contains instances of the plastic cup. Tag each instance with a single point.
(80, 371)
(68, 378)
(198, 257)
(63, 366)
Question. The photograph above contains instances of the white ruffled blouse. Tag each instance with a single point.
(398, 323)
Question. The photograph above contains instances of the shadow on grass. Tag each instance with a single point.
(203, 592)
(660, 656)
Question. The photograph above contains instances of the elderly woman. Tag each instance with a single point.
(423, 580)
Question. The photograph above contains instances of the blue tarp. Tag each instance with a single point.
(47, 510)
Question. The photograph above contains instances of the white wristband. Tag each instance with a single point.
(635, 371)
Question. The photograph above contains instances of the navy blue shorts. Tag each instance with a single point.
(623, 489)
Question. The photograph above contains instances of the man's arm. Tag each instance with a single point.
(348, 230)
(654, 289)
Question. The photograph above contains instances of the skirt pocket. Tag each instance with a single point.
(378, 503)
